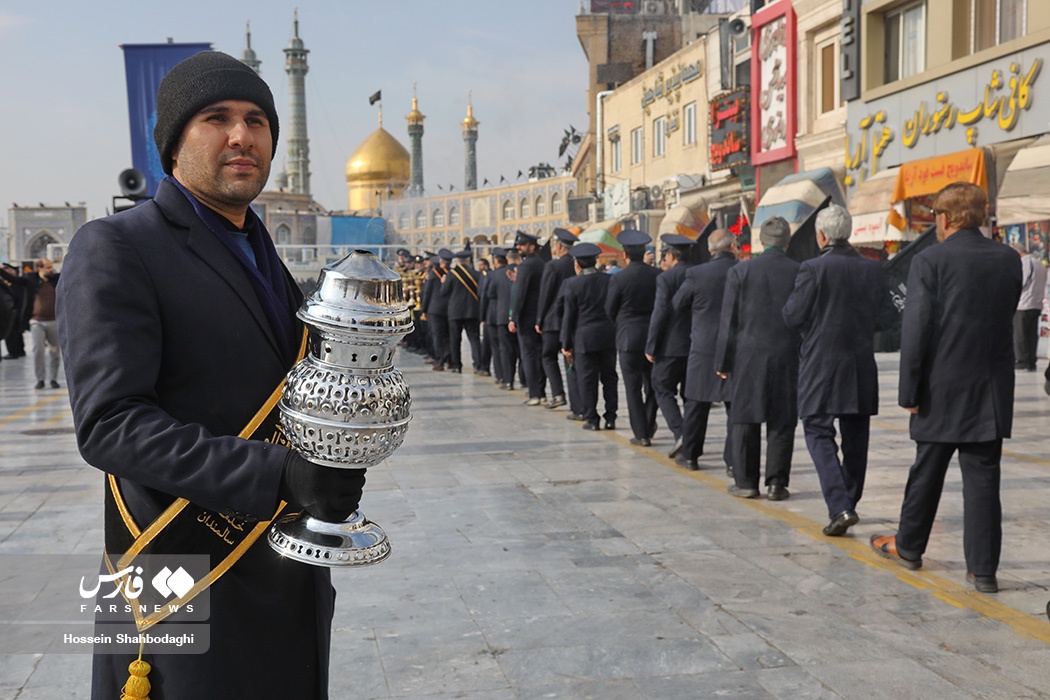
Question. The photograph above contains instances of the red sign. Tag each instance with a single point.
(728, 130)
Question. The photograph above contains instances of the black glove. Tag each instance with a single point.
(327, 493)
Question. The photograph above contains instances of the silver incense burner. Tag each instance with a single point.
(344, 404)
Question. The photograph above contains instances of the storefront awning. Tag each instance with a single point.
(796, 196)
(931, 175)
(685, 218)
(603, 234)
(1025, 193)
(874, 220)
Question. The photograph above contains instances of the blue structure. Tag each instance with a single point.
(361, 232)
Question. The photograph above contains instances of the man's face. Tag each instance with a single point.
(46, 268)
(223, 156)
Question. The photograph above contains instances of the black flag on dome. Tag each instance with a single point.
(376, 96)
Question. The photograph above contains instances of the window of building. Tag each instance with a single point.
(421, 219)
(402, 221)
(905, 42)
(508, 210)
(659, 136)
(827, 94)
(993, 22)
(689, 117)
(284, 235)
(637, 155)
(541, 206)
(616, 154)
(453, 216)
(437, 218)
(525, 209)
(556, 206)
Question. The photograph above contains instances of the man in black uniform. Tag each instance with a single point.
(435, 305)
(483, 363)
(488, 291)
(838, 304)
(524, 314)
(588, 336)
(667, 345)
(957, 381)
(177, 323)
(460, 289)
(701, 296)
(758, 353)
(629, 304)
(550, 313)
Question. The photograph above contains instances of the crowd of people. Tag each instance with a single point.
(32, 309)
(774, 341)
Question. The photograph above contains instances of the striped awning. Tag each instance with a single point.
(873, 211)
(796, 196)
(603, 234)
(686, 218)
(1025, 193)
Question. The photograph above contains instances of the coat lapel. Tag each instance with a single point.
(203, 243)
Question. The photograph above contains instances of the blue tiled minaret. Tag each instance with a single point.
(298, 143)
(470, 138)
(249, 58)
(415, 136)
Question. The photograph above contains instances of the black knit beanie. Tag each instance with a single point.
(203, 79)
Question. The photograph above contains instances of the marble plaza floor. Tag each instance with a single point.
(533, 559)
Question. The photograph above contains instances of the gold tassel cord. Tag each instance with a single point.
(137, 686)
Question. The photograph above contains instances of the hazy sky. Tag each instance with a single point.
(63, 99)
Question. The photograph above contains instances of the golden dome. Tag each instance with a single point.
(380, 158)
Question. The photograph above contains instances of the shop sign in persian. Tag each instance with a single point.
(729, 130)
(998, 101)
(773, 81)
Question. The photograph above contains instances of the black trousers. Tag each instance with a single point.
(508, 355)
(484, 362)
(842, 481)
(694, 430)
(456, 328)
(592, 367)
(1026, 337)
(982, 511)
(549, 356)
(637, 385)
(438, 327)
(15, 341)
(669, 384)
(531, 348)
(747, 453)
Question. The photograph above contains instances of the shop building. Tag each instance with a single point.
(948, 90)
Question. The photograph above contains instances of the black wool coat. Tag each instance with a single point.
(168, 355)
(755, 347)
(630, 301)
(586, 327)
(463, 304)
(550, 309)
(839, 302)
(668, 331)
(957, 357)
(526, 302)
(701, 296)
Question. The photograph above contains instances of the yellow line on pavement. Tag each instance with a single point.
(30, 409)
(941, 588)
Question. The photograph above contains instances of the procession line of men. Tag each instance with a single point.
(772, 340)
